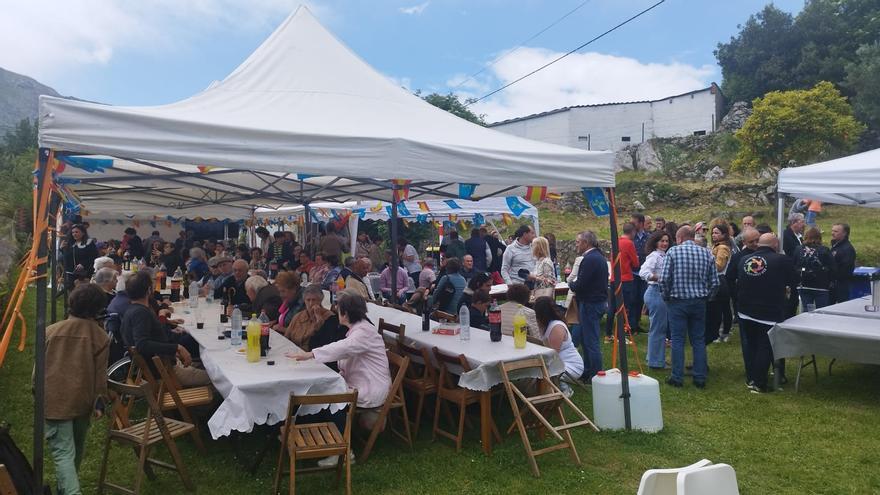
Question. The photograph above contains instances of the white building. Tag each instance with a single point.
(611, 126)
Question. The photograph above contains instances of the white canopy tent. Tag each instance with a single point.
(851, 180)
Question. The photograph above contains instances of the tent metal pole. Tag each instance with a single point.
(537, 226)
(619, 322)
(40, 336)
(225, 231)
(307, 211)
(780, 214)
(395, 262)
(53, 256)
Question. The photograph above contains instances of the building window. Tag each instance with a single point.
(625, 139)
(583, 138)
(699, 133)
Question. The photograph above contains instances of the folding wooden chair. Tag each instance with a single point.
(449, 391)
(420, 379)
(181, 399)
(169, 395)
(142, 436)
(394, 401)
(438, 315)
(399, 330)
(316, 440)
(7, 487)
(535, 410)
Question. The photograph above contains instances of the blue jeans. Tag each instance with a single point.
(820, 298)
(589, 315)
(810, 218)
(659, 324)
(687, 317)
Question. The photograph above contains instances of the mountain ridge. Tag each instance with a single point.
(19, 98)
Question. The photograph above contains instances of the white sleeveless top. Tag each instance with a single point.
(574, 363)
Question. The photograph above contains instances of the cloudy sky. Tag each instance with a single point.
(158, 51)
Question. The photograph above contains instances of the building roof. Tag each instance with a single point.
(565, 109)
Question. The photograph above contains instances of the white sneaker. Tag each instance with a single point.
(333, 460)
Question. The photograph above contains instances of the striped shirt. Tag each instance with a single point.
(689, 272)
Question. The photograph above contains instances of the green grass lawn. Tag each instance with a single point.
(821, 440)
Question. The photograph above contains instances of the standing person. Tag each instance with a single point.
(455, 248)
(77, 350)
(814, 208)
(718, 311)
(79, 253)
(554, 333)
(688, 279)
(762, 279)
(497, 250)
(659, 224)
(791, 240)
(629, 263)
(449, 289)
(844, 261)
(279, 254)
(332, 243)
(132, 244)
(551, 240)
(263, 241)
(650, 272)
(170, 258)
(366, 248)
(748, 222)
(543, 274)
(479, 250)
(591, 290)
(467, 268)
(518, 256)
(814, 266)
(639, 239)
(155, 237)
(409, 258)
(750, 237)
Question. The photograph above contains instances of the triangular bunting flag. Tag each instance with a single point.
(466, 191)
(595, 197)
(423, 206)
(205, 168)
(422, 218)
(516, 206)
(401, 189)
(507, 219)
(402, 210)
(452, 204)
(478, 220)
(377, 208)
(536, 194)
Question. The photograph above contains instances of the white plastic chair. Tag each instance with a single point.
(663, 481)
(717, 479)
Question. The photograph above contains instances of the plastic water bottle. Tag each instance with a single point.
(209, 296)
(194, 294)
(235, 334)
(464, 323)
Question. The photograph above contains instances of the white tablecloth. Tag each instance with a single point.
(849, 338)
(483, 355)
(855, 308)
(255, 393)
(502, 288)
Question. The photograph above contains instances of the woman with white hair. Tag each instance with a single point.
(104, 262)
(105, 278)
(197, 263)
(263, 297)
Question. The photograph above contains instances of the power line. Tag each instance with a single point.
(557, 59)
(521, 44)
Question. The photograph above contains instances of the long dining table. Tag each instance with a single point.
(483, 355)
(253, 393)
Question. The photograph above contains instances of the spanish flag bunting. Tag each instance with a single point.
(423, 206)
(377, 208)
(536, 194)
(205, 168)
(401, 189)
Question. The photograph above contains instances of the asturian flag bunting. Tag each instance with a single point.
(466, 191)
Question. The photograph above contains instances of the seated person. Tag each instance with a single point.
(318, 270)
(361, 357)
(467, 267)
(257, 260)
(556, 335)
(315, 325)
(518, 297)
(333, 273)
(105, 278)
(402, 282)
(479, 306)
(291, 295)
(355, 280)
(235, 282)
(449, 289)
(263, 297)
(480, 281)
(305, 263)
(142, 330)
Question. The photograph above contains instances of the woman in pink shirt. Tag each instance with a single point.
(360, 356)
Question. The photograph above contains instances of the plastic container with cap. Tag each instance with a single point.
(645, 410)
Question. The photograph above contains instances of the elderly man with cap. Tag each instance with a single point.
(234, 281)
(764, 277)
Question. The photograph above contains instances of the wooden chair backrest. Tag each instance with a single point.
(508, 366)
(143, 369)
(349, 398)
(398, 366)
(169, 379)
(384, 326)
(447, 378)
(409, 351)
(120, 392)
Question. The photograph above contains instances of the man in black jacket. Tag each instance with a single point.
(749, 239)
(844, 255)
(764, 277)
(591, 291)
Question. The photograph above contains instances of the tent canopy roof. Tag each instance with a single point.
(851, 180)
(304, 103)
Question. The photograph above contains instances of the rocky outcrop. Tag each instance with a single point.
(736, 117)
(713, 174)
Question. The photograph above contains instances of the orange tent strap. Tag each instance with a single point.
(23, 338)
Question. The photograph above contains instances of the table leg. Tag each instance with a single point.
(486, 421)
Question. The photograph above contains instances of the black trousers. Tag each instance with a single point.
(759, 351)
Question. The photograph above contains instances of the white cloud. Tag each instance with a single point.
(415, 9)
(579, 79)
(403, 82)
(51, 37)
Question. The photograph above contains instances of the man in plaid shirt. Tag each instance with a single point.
(689, 278)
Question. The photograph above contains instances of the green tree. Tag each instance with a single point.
(863, 80)
(800, 126)
(455, 106)
(20, 138)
